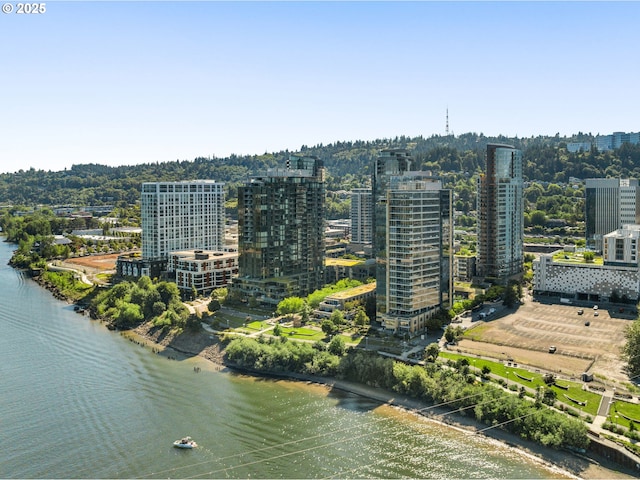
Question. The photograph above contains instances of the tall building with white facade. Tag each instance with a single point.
(361, 215)
(281, 232)
(610, 204)
(620, 247)
(415, 269)
(178, 216)
(501, 215)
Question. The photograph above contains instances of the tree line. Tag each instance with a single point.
(348, 164)
(433, 383)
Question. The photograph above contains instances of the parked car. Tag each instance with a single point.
(552, 349)
(580, 312)
(587, 323)
(595, 314)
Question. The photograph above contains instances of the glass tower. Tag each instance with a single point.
(501, 215)
(281, 232)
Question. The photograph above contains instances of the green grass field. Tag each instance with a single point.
(302, 333)
(521, 376)
(623, 413)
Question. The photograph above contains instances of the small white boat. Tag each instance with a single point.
(185, 442)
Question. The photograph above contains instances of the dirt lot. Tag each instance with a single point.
(525, 335)
(96, 262)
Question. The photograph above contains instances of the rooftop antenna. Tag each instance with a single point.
(446, 129)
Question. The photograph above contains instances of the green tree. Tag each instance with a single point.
(539, 218)
(449, 334)
(214, 305)
(337, 317)
(431, 352)
(169, 292)
(328, 327)
(631, 348)
(129, 315)
(290, 305)
(158, 308)
(220, 294)
(337, 346)
(549, 396)
(512, 294)
(361, 319)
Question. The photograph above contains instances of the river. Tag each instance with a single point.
(79, 401)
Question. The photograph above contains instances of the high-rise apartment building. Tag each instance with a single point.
(388, 163)
(281, 232)
(361, 215)
(417, 262)
(181, 216)
(501, 215)
(610, 204)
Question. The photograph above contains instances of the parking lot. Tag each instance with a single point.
(525, 335)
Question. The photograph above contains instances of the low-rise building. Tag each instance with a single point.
(132, 265)
(618, 277)
(202, 270)
(337, 301)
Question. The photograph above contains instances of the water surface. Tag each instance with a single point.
(79, 401)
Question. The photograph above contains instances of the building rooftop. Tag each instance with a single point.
(342, 262)
(352, 292)
(575, 258)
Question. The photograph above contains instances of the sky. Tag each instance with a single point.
(124, 82)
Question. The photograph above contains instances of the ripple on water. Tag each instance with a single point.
(85, 402)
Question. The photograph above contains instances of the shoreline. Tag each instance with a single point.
(561, 463)
(206, 346)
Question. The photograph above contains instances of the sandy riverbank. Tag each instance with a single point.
(561, 464)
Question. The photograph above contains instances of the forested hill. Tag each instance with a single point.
(348, 165)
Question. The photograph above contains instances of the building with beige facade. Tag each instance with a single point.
(202, 270)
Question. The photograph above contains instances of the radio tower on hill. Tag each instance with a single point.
(446, 128)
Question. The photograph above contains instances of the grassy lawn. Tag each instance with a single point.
(619, 410)
(254, 327)
(302, 333)
(533, 380)
(352, 338)
(476, 332)
(68, 284)
(234, 321)
(104, 277)
(237, 324)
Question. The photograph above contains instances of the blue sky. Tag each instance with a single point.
(119, 83)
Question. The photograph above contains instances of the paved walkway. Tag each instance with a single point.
(78, 273)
